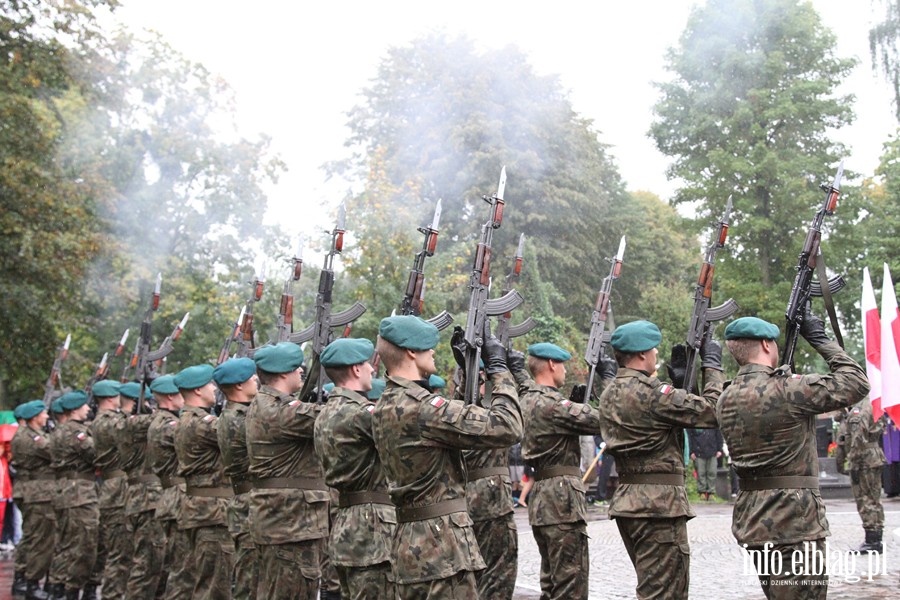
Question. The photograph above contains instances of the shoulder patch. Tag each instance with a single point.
(566, 402)
(208, 418)
(665, 389)
(796, 376)
(80, 435)
(438, 402)
(36, 438)
(173, 423)
(370, 408)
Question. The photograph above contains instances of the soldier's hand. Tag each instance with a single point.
(812, 328)
(607, 368)
(710, 353)
(677, 365)
(515, 360)
(494, 355)
(458, 346)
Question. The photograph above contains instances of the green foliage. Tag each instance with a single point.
(883, 47)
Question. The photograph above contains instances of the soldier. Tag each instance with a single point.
(642, 421)
(19, 477)
(364, 525)
(141, 497)
(55, 586)
(36, 480)
(859, 443)
(177, 576)
(72, 449)
(289, 501)
(208, 490)
(237, 379)
(768, 418)
(551, 445)
(113, 484)
(418, 436)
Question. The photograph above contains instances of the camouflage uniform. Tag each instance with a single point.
(37, 484)
(233, 445)
(289, 502)
(862, 446)
(72, 448)
(178, 574)
(641, 420)
(20, 484)
(113, 483)
(556, 504)
(142, 495)
(364, 525)
(203, 510)
(418, 436)
(768, 418)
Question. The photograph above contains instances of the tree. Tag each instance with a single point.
(883, 47)
(748, 112)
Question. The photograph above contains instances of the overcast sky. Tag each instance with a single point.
(297, 70)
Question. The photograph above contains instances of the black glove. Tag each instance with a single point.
(515, 360)
(710, 353)
(578, 392)
(494, 355)
(607, 368)
(812, 328)
(458, 345)
(677, 365)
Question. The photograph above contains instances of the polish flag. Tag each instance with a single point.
(890, 339)
(871, 326)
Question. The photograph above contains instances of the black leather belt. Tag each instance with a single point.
(487, 472)
(751, 484)
(353, 498)
(290, 483)
(652, 478)
(430, 511)
(548, 472)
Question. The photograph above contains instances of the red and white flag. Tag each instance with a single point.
(871, 326)
(890, 339)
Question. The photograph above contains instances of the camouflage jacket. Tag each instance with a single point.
(280, 444)
(862, 441)
(768, 418)
(131, 437)
(360, 534)
(72, 449)
(233, 441)
(113, 482)
(163, 462)
(553, 425)
(642, 421)
(31, 457)
(200, 463)
(419, 436)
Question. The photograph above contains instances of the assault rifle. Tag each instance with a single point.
(480, 306)
(703, 315)
(320, 331)
(810, 260)
(505, 332)
(598, 338)
(285, 325)
(62, 353)
(414, 296)
(243, 333)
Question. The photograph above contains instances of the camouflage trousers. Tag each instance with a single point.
(866, 485)
(212, 560)
(76, 547)
(246, 556)
(362, 583)
(39, 531)
(118, 545)
(290, 571)
(20, 562)
(564, 560)
(498, 541)
(148, 552)
(461, 586)
(660, 553)
(788, 586)
(177, 570)
(57, 564)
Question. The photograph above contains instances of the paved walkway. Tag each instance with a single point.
(718, 567)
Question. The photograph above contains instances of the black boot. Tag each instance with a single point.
(326, 595)
(19, 586)
(33, 591)
(873, 542)
(90, 592)
(73, 593)
(56, 591)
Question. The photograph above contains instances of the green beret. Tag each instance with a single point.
(344, 352)
(30, 409)
(194, 377)
(73, 400)
(751, 328)
(132, 389)
(548, 351)
(637, 336)
(328, 387)
(436, 382)
(57, 407)
(409, 332)
(377, 389)
(106, 388)
(164, 384)
(234, 370)
(280, 358)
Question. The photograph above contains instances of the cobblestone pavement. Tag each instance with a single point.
(718, 567)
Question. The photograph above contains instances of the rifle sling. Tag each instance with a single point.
(826, 297)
